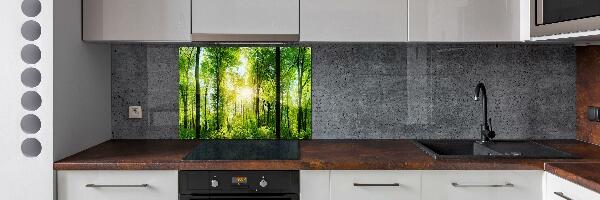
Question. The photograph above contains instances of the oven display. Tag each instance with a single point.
(239, 180)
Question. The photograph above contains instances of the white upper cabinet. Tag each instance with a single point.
(353, 20)
(468, 20)
(307, 20)
(136, 20)
(245, 20)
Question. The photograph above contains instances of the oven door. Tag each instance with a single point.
(551, 17)
(240, 197)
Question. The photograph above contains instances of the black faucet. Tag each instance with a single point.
(487, 134)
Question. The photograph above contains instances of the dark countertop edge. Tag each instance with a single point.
(574, 177)
(232, 165)
(298, 165)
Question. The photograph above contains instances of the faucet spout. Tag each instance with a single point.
(480, 94)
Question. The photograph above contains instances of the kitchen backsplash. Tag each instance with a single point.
(381, 91)
(588, 92)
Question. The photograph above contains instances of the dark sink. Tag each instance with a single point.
(470, 149)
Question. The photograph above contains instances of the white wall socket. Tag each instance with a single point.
(135, 112)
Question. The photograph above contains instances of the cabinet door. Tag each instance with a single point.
(375, 185)
(249, 20)
(468, 20)
(560, 189)
(478, 185)
(136, 20)
(117, 185)
(314, 185)
(353, 20)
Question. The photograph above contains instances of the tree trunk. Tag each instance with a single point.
(185, 106)
(192, 118)
(198, 127)
(278, 92)
(205, 111)
(218, 88)
(268, 113)
(300, 76)
(257, 95)
(264, 110)
(287, 115)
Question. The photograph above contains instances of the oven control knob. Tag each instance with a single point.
(214, 183)
(263, 183)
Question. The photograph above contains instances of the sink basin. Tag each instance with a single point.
(469, 149)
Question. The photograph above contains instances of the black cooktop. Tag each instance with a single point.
(245, 150)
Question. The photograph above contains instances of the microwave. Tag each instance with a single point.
(553, 17)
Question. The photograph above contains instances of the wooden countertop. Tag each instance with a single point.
(331, 155)
(314, 154)
(584, 174)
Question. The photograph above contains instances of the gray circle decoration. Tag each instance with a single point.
(31, 54)
(31, 77)
(31, 8)
(30, 124)
(31, 100)
(31, 30)
(31, 147)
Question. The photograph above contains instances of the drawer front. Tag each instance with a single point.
(375, 185)
(560, 189)
(478, 185)
(117, 185)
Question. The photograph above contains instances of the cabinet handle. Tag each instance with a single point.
(562, 195)
(493, 185)
(115, 186)
(376, 184)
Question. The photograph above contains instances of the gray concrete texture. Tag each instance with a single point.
(384, 91)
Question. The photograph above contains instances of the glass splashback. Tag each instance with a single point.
(232, 93)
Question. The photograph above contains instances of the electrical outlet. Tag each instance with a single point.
(135, 112)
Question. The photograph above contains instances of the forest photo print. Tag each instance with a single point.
(245, 93)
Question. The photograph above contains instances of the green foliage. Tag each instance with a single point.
(233, 95)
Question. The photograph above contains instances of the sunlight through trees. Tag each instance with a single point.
(233, 92)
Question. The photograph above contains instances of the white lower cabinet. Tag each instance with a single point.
(117, 185)
(421, 185)
(560, 189)
(375, 185)
(314, 184)
(341, 185)
(482, 185)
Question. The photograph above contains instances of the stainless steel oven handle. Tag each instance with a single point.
(116, 186)
(376, 184)
(562, 195)
(241, 196)
(492, 185)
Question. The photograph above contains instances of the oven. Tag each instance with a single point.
(238, 185)
(552, 17)
(241, 197)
